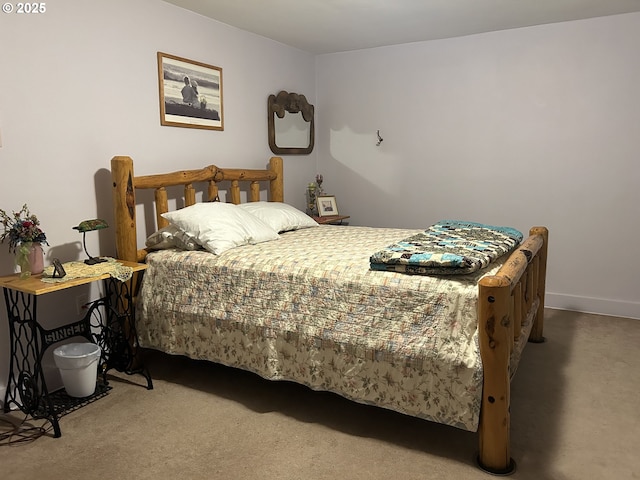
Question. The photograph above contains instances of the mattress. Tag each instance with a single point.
(308, 308)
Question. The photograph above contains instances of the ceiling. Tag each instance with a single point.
(329, 26)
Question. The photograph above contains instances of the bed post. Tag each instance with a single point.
(538, 324)
(495, 332)
(276, 186)
(124, 207)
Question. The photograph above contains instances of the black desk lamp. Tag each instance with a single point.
(90, 226)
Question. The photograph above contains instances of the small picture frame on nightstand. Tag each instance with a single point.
(327, 206)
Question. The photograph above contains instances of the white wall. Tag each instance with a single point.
(532, 126)
(79, 85)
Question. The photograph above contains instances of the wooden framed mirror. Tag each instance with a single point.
(291, 124)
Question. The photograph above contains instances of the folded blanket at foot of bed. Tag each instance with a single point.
(448, 247)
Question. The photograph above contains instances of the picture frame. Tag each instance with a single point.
(327, 205)
(183, 104)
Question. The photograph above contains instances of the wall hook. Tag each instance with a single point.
(380, 139)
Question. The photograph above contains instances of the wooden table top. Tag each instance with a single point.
(331, 219)
(35, 286)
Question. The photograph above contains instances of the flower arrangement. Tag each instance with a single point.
(20, 228)
(319, 180)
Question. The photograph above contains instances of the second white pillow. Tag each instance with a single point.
(282, 217)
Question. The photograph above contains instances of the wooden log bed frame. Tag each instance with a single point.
(510, 303)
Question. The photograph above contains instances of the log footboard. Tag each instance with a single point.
(510, 310)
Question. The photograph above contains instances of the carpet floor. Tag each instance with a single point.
(574, 417)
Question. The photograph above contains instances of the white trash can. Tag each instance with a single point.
(78, 364)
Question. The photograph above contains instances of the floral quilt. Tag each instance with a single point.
(309, 309)
(449, 247)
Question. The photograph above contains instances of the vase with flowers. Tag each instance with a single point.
(314, 190)
(22, 230)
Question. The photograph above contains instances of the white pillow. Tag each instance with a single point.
(279, 216)
(171, 237)
(219, 227)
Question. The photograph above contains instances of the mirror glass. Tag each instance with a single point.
(292, 131)
(291, 124)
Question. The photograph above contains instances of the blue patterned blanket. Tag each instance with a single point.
(448, 247)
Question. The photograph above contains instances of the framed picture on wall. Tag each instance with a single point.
(190, 93)
(327, 205)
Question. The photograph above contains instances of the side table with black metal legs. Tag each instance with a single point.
(109, 322)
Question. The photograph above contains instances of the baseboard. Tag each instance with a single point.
(600, 306)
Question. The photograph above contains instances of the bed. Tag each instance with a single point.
(442, 348)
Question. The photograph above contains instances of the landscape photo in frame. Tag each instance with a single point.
(190, 93)
(327, 205)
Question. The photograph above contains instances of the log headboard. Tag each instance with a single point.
(126, 184)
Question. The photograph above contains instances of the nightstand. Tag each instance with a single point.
(112, 327)
(331, 219)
